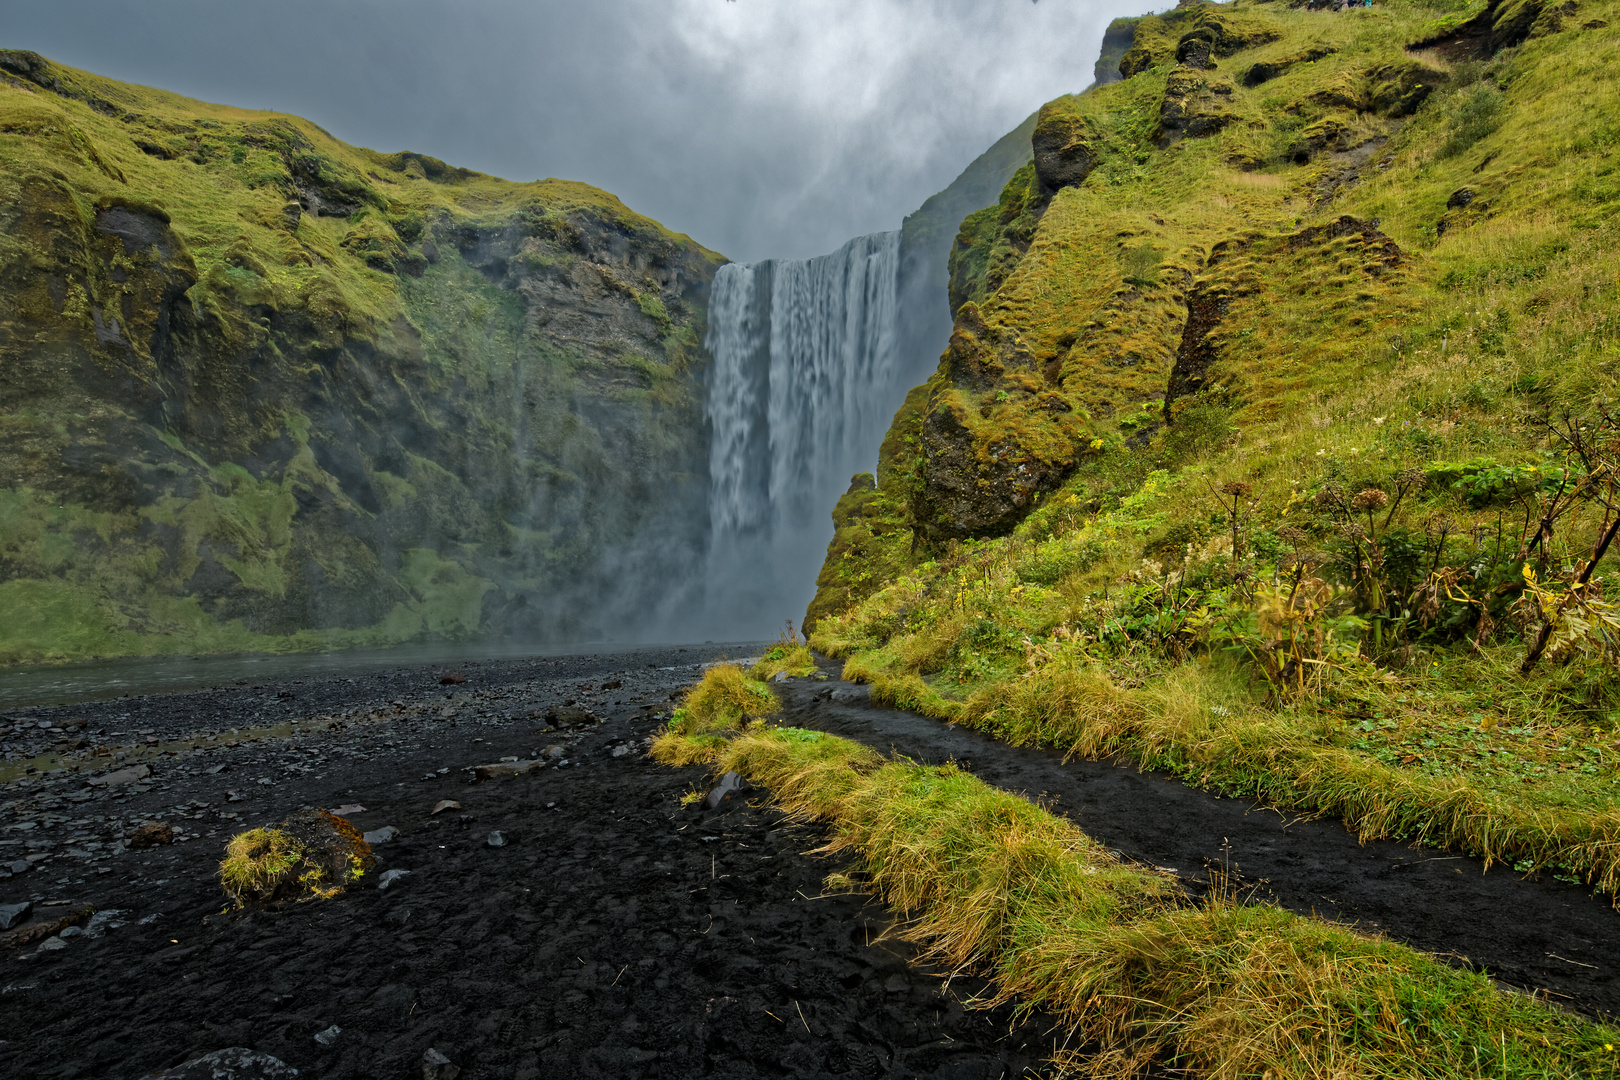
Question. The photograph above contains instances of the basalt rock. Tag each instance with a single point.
(1064, 145)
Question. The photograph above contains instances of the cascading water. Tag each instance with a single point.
(805, 381)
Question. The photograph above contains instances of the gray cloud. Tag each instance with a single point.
(760, 127)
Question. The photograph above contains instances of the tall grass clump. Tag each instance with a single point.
(1143, 977)
(725, 701)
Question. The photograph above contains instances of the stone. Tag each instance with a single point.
(18, 866)
(496, 839)
(553, 753)
(389, 877)
(380, 836)
(452, 678)
(504, 768)
(68, 933)
(621, 750)
(435, 1066)
(730, 784)
(329, 1036)
(152, 834)
(122, 776)
(52, 944)
(1064, 146)
(780, 676)
(445, 804)
(348, 808)
(103, 921)
(613, 685)
(569, 716)
(232, 1063)
(12, 914)
(1460, 198)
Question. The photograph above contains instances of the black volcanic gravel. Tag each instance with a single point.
(615, 933)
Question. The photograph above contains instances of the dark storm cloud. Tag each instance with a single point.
(760, 127)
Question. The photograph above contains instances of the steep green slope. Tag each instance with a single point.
(267, 390)
(1272, 442)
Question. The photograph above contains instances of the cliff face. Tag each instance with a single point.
(266, 390)
(1270, 198)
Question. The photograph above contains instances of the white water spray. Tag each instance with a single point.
(804, 385)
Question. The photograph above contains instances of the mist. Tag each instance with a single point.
(760, 128)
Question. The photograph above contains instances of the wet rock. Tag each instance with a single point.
(389, 877)
(730, 784)
(152, 834)
(435, 1066)
(122, 776)
(12, 914)
(233, 1063)
(329, 1036)
(380, 836)
(496, 839)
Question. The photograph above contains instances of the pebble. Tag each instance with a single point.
(329, 1036)
(380, 836)
(496, 839)
(346, 809)
(389, 877)
(18, 867)
(780, 676)
(435, 1066)
(12, 914)
(620, 751)
(445, 804)
(70, 932)
(52, 944)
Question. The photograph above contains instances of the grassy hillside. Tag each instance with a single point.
(1273, 444)
(266, 390)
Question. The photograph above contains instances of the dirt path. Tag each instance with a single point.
(615, 933)
(1537, 934)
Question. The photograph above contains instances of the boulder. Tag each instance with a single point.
(309, 855)
(1064, 145)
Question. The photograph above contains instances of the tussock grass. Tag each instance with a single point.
(311, 855)
(793, 657)
(1219, 989)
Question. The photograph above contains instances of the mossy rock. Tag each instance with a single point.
(309, 855)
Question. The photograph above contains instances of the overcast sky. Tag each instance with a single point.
(761, 127)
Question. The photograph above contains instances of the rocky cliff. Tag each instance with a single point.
(1271, 198)
(266, 390)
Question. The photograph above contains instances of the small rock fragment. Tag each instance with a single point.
(496, 839)
(329, 1036)
(122, 776)
(504, 768)
(103, 921)
(613, 685)
(68, 933)
(445, 804)
(553, 753)
(452, 678)
(780, 676)
(12, 914)
(730, 784)
(380, 836)
(389, 877)
(52, 944)
(435, 1066)
(620, 750)
(232, 1063)
(18, 866)
(348, 808)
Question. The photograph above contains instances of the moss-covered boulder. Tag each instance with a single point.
(310, 855)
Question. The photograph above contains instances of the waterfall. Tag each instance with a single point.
(803, 387)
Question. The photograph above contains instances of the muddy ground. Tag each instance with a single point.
(615, 932)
